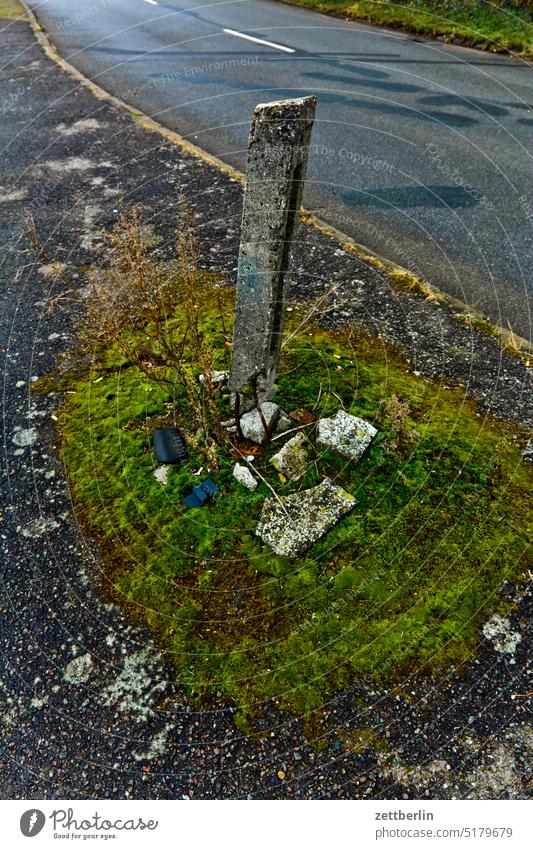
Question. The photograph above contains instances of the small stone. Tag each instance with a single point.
(498, 630)
(244, 476)
(284, 423)
(291, 460)
(281, 774)
(290, 524)
(527, 453)
(251, 425)
(297, 756)
(346, 435)
(79, 669)
(217, 378)
(161, 474)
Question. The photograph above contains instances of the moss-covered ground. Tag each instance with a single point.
(11, 9)
(495, 26)
(399, 585)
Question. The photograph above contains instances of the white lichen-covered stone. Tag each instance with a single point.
(244, 476)
(161, 474)
(294, 522)
(346, 435)
(79, 670)
(498, 630)
(251, 425)
(291, 460)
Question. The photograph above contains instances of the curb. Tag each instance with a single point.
(507, 338)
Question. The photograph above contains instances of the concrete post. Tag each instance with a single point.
(277, 160)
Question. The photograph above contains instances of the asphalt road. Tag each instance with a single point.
(419, 151)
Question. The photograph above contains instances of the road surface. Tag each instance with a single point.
(419, 151)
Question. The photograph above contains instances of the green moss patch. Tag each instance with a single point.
(11, 9)
(400, 584)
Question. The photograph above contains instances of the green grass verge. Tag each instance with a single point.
(401, 584)
(11, 9)
(497, 26)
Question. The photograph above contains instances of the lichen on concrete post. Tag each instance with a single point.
(277, 160)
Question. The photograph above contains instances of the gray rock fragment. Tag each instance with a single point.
(498, 629)
(294, 522)
(346, 435)
(251, 425)
(527, 453)
(284, 423)
(291, 460)
(244, 476)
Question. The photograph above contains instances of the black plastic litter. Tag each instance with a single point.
(169, 446)
(201, 493)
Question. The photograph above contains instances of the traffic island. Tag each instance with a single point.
(402, 583)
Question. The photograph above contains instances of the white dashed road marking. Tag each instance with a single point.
(259, 40)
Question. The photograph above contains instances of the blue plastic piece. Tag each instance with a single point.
(209, 487)
(200, 493)
(193, 501)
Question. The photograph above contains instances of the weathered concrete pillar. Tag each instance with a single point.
(277, 160)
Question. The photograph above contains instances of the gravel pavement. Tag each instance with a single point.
(88, 707)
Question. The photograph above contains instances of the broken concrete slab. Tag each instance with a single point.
(291, 460)
(290, 524)
(243, 475)
(252, 426)
(346, 435)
